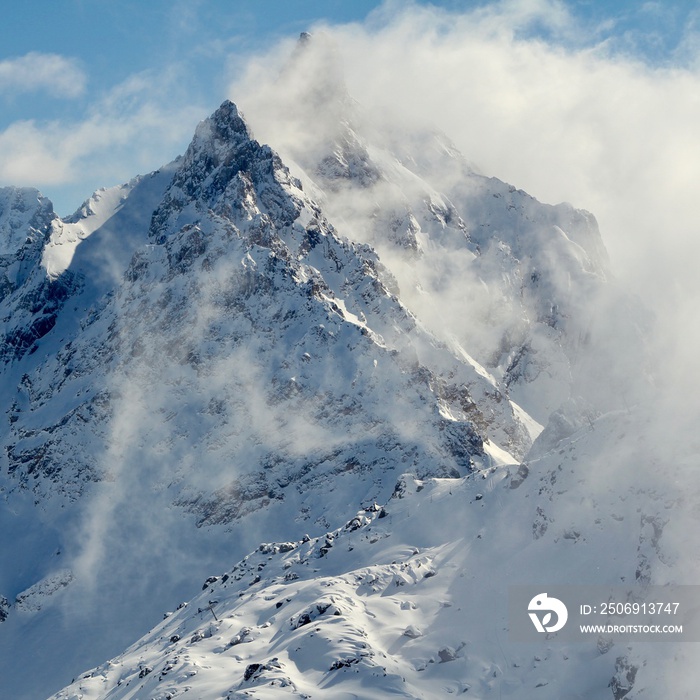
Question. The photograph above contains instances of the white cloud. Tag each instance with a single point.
(36, 72)
(567, 118)
(134, 128)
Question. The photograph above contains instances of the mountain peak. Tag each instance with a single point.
(24, 211)
(221, 164)
(220, 134)
(315, 73)
(25, 225)
(228, 121)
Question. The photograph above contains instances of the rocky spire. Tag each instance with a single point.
(224, 167)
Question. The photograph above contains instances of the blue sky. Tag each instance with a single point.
(93, 92)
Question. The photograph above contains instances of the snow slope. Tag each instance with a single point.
(409, 599)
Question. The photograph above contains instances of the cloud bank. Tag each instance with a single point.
(535, 97)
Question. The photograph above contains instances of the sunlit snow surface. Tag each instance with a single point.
(410, 599)
(67, 235)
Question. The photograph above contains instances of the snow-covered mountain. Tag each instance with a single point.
(244, 347)
(247, 362)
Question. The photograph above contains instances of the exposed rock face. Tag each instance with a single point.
(622, 682)
(25, 221)
(30, 303)
(4, 608)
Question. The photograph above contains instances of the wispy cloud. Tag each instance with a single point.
(133, 128)
(534, 97)
(42, 72)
